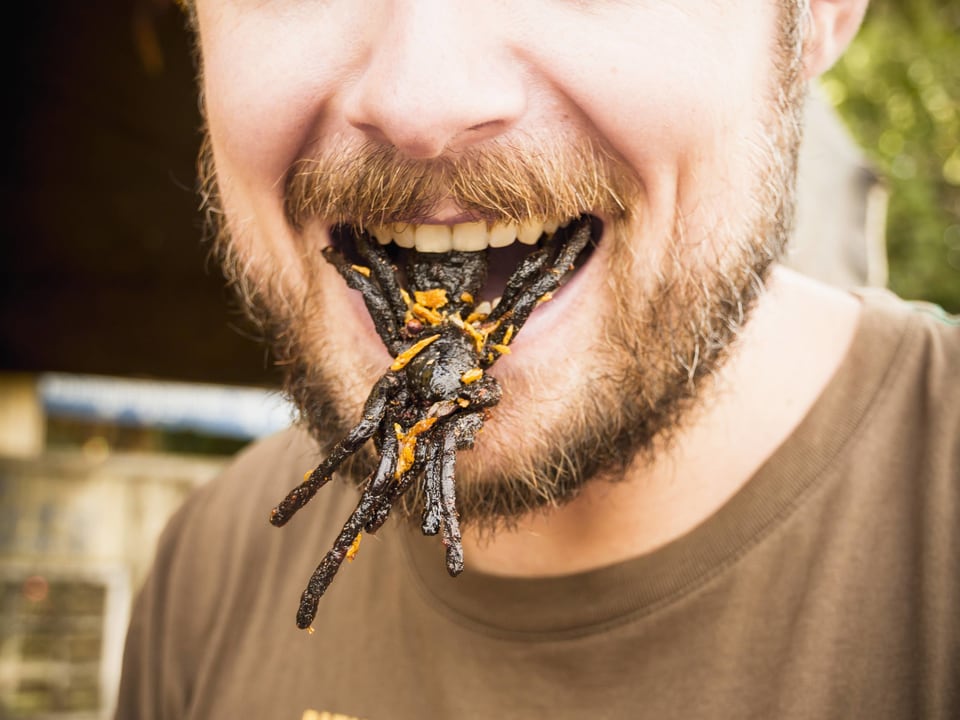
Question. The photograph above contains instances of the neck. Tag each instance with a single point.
(785, 358)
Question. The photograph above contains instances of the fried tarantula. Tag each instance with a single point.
(433, 399)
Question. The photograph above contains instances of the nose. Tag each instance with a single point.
(435, 78)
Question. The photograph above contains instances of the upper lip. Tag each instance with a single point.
(447, 213)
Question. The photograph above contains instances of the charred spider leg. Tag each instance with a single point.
(375, 502)
(549, 281)
(386, 492)
(373, 412)
(529, 267)
(439, 488)
(458, 435)
(373, 296)
(393, 493)
(447, 460)
(327, 569)
(431, 491)
(384, 272)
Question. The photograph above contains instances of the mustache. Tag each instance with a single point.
(366, 184)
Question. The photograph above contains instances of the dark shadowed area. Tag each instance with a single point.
(103, 268)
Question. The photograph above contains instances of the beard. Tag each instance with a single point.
(661, 331)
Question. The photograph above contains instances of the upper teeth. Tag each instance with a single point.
(469, 237)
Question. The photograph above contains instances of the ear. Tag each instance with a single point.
(830, 28)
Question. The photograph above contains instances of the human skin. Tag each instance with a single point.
(679, 92)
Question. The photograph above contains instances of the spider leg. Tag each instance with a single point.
(446, 459)
(528, 268)
(385, 274)
(457, 435)
(549, 280)
(373, 412)
(377, 302)
(389, 452)
(393, 492)
(432, 491)
(327, 569)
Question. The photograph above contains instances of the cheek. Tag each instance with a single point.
(268, 76)
(670, 90)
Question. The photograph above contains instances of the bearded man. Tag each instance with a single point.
(711, 488)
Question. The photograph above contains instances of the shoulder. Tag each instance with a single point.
(927, 338)
(912, 428)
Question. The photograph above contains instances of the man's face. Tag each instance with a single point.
(683, 114)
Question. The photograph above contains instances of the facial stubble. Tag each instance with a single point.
(660, 338)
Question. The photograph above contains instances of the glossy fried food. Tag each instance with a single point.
(433, 399)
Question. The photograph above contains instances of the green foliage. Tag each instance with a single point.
(898, 89)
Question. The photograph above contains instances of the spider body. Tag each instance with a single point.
(433, 399)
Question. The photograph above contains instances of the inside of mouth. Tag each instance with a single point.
(501, 261)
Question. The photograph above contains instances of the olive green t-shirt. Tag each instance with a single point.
(827, 587)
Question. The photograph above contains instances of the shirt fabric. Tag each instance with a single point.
(827, 587)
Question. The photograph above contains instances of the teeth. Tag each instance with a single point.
(433, 239)
(470, 236)
(382, 235)
(530, 232)
(502, 235)
(403, 235)
(466, 237)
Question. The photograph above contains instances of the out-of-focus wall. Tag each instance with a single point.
(78, 529)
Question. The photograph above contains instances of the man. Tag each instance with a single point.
(711, 488)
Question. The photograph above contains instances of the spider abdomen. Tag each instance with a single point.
(436, 373)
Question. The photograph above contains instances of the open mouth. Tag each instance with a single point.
(506, 246)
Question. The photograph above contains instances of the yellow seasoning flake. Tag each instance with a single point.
(463, 402)
(310, 630)
(408, 444)
(471, 376)
(478, 338)
(365, 271)
(406, 297)
(426, 314)
(431, 299)
(411, 352)
(546, 297)
(508, 336)
(466, 297)
(354, 547)
(502, 349)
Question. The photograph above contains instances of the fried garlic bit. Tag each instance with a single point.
(354, 548)
(432, 299)
(471, 376)
(407, 442)
(411, 352)
(425, 305)
(365, 271)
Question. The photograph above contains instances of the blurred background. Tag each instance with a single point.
(127, 378)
